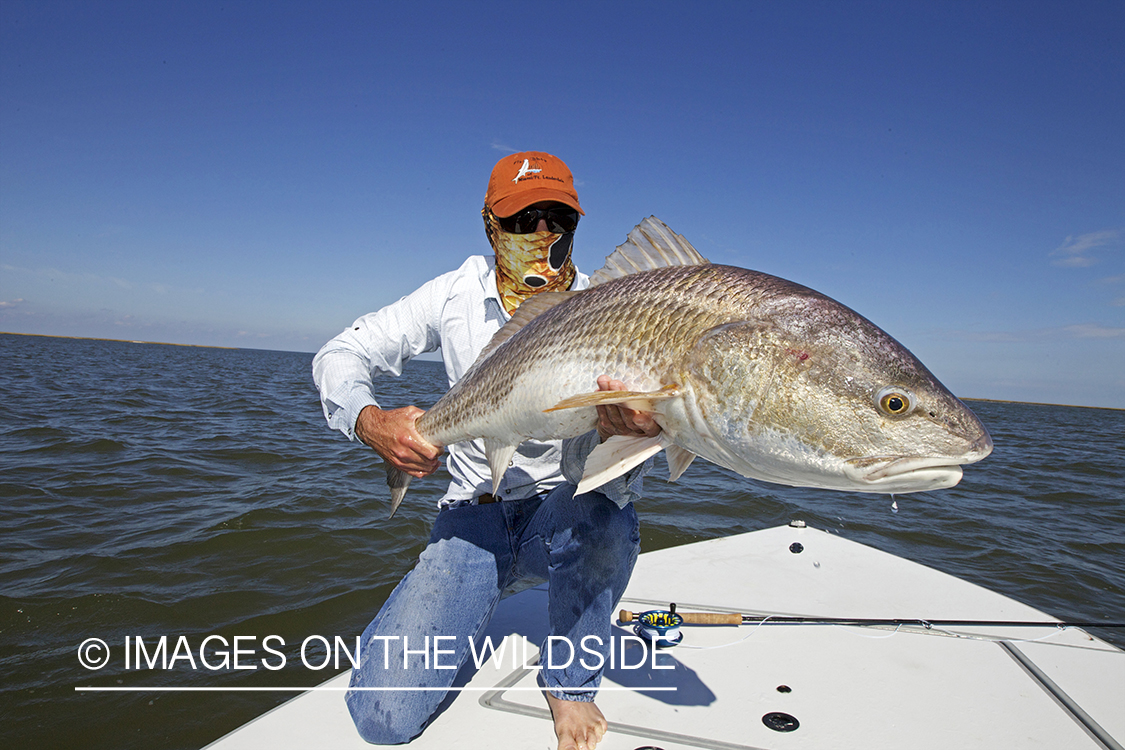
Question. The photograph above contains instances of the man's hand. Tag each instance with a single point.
(617, 419)
(579, 725)
(393, 436)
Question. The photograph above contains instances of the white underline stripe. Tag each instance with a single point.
(330, 688)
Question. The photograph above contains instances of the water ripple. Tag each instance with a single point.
(182, 491)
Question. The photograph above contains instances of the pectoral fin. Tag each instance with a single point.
(678, 461)
(615, 457)
(636, 400)
(499, 455)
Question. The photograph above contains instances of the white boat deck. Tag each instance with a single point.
(846, 686)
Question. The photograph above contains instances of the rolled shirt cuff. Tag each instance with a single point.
(342, 409)
(622, 490)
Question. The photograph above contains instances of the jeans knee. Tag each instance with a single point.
(607, 525)
(379, 721)
(608, 537)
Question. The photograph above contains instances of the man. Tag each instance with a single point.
(485, 539)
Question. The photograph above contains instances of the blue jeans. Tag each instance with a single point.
(584, 547)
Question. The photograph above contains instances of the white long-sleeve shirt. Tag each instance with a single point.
(458, 312)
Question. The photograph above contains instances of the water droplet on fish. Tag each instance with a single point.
(894, 504)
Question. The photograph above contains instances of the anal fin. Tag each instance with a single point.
(678, 461)
(499, 455)
(615, 457)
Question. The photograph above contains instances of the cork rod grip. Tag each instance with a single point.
(693, 618)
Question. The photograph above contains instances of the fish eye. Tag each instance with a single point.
(894, 401)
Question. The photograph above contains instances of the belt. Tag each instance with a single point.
(488, 497)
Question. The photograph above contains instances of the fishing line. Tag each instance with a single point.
(873, 637)
(953, 634)
(732, 643)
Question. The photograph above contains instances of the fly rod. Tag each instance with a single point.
(734, 618)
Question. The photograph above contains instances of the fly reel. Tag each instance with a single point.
(660, 627)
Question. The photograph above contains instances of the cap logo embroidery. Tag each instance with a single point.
(524, 170)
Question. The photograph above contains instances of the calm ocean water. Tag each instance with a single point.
(153, 490)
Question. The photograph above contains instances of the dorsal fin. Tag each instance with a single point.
(650, 245)
(528, 309)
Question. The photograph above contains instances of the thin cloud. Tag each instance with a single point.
(5, 304)
(89, 279)
(990, 337)
(1094, 331)
(1079, 331)
(1077, 252)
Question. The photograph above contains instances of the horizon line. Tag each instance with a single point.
(287, 351)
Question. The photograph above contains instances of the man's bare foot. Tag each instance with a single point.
(579, 725)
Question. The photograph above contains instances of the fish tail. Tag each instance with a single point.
(398, 481)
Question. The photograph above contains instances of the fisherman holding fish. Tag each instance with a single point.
(531, 526)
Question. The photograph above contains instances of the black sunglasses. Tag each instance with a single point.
(560, 219)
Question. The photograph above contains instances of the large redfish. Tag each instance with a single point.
(763, 376)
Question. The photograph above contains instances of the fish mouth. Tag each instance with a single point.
(903, 473)
(914, 473)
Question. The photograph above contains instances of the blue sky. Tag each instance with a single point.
(259, 174)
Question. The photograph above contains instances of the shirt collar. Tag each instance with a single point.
(488, 283)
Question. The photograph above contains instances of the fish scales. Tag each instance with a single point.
(636, 329)
(766, 377)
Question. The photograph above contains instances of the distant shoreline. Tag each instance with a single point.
(120, 341)
(1039, 403)
(236, 348)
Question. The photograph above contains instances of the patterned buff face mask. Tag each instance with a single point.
(527, 264)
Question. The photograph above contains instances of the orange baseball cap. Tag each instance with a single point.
(529, 177)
